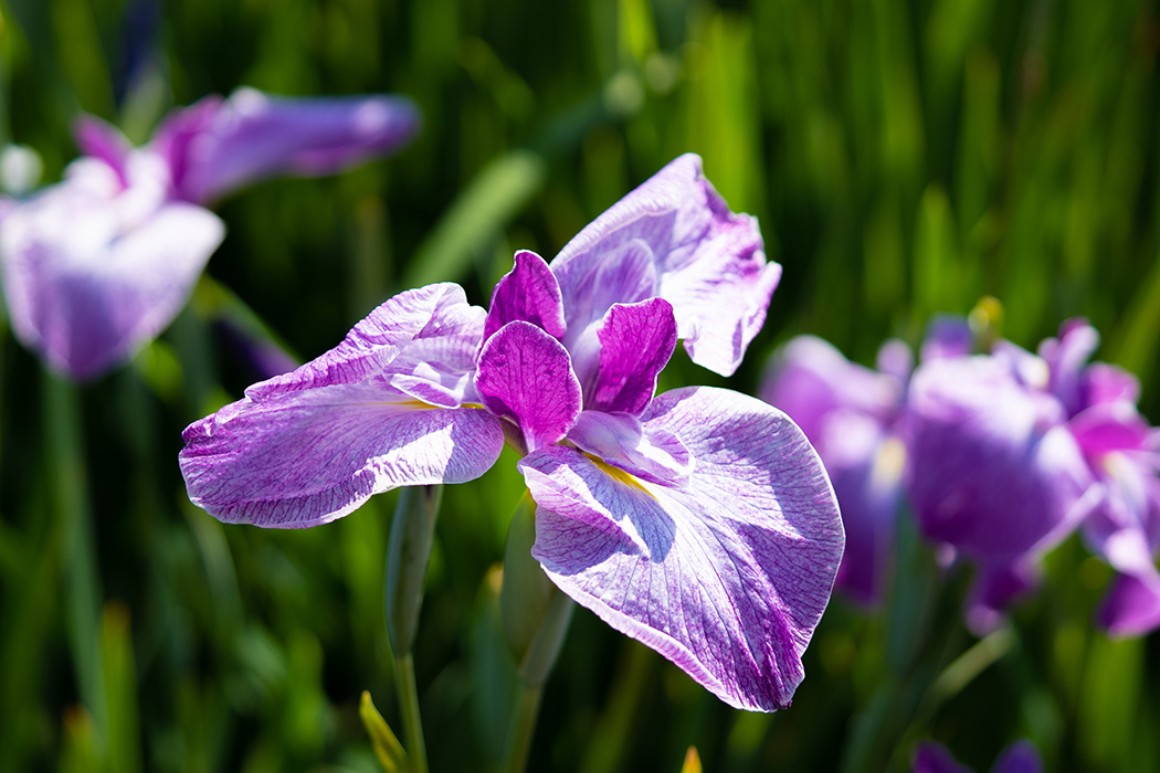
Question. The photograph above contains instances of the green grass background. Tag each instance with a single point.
(904, 158)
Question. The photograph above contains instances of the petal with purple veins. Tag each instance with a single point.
(708, 263)
(431, 327)
(621, 440)
(636, 342)
(297, 459)
(528, 292)
(725, 574)
(526, 375)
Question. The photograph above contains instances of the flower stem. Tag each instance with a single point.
(409, 706)
(82, 600)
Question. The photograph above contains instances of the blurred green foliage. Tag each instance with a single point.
(904, 158)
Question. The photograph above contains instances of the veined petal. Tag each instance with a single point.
(432, 328)
(526, 375)
(91, 274)
(726, 574)
(636, 342)
(302, 458)
(707, 262)
(621, 440)
(528, 292)
(216, 147)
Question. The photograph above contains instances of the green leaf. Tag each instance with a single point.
(387, 747)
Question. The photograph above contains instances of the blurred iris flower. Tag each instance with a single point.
(1006, 454)
(100, 263)
(699, 521)
(1123, 453)
(851, 414)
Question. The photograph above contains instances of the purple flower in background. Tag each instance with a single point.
(100, 263)
(993, 471)
(699, 522)
(850, 413)
(1019, 757)
(1121, 451)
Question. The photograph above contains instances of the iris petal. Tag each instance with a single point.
(725, 574)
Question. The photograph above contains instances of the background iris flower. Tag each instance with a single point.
(1006, 454)
(100, 263)
(699, 522)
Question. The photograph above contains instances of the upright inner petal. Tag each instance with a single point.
(528, 292)
(526, 375)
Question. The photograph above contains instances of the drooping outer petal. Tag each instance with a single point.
(91, 272)
(725, 574)
(705, 260)
(219, 146)
(526, 375)
(312, 445)
(992, 470)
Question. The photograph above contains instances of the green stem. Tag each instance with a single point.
(523, 727)
(71, 500)
(409, 705)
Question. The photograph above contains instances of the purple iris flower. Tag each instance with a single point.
(100, 263)
(851, 413)
(1019, 757)
(993, 471)
(1121, 450)
(699, 521)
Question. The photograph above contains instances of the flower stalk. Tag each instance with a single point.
(412, 534)
(535, 617)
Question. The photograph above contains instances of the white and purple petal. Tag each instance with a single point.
(385, 408)
(217, 146)
(431, 326)
(93, 270)
(525, 375)
(725, 574)
(676, 233)
(620, 439)
(303, 458)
